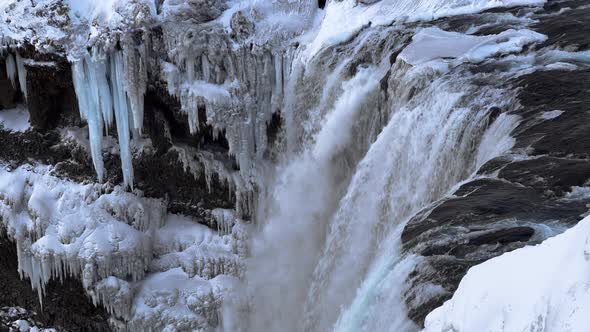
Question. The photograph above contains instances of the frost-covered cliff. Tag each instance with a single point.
(245, 165)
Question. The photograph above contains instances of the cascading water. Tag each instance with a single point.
(328, 256)
(304, 193)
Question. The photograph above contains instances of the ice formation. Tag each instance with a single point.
(11, 69)
(536, 288)
(107, 84)
(15, 69)
(239, 90)
(434, 43)
(22, 74)
(108, 240)
(379, 123)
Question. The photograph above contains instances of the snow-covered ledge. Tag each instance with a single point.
(537, 288)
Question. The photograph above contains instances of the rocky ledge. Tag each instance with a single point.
(537, 190)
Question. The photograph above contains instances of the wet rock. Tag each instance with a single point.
(571, 33)
(52, 100)
(524, 200)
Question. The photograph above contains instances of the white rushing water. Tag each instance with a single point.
(303, 194)
(328, 256)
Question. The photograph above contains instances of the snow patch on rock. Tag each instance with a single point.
(433, 43)
(536, 288)
(343, 19)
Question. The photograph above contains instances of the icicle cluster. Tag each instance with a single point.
(138, 262)
(15, 69)
(65, 229)
(240, 88)
(110, 88)
(203, 163)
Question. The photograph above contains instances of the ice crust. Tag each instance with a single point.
(343, 19)
(145, 266)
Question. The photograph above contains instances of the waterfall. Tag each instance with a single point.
(303, 194)
(365, 157)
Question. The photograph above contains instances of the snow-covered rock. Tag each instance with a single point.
(536, 288)
(112, 240)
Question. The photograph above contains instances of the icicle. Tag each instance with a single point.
(22, 75)
(106, 100)
(206, 70)
(90, 111)
(11, 69)
(122, 117)
(190, 68)
(135, 85)
(102, 100)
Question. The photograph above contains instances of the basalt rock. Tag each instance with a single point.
(517, 201)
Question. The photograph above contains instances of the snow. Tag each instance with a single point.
(146, 267)
(16, 120)
(550, 115)
(28, 20)
(536, 288)
(105, 12)
(71, 25)
(433, 43)
(343, 19)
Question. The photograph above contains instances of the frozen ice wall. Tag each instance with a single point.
(148, 268)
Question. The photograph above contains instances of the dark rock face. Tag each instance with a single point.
(164, 176)
(65, 306)
(54, 99)
(528, 200)
(9, 96)
(571, 33)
